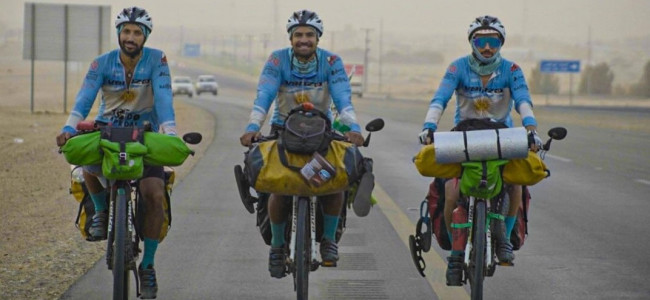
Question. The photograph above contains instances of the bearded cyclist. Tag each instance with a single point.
(300, 73)
(136, 90)
(486, 86)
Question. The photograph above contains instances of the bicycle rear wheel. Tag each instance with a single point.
(120, 242)
(303, 249)
(477, 258)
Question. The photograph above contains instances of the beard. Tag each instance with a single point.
(304, 54)
(132, 53)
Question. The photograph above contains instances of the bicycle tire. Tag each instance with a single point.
(303, 249)
(478, 251)
(120, 271)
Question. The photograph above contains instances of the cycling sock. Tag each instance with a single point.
(456, 253)
(277, 233)
(150, 246)
(330, 223)
(510, 224)
(99, 200)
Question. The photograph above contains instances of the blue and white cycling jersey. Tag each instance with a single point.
(506, 87)
(148, 97)
(290, 88)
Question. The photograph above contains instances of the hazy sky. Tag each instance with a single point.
(565, 19)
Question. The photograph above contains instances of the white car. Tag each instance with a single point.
(182, 85)
(207, 83)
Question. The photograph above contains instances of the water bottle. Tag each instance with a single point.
(459, 235)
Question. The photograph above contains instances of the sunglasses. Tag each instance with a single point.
(481, 42)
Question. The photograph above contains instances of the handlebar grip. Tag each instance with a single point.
(86, 125)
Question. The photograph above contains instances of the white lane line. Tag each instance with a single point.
(436, 265)
(560, 158)
(646, 182)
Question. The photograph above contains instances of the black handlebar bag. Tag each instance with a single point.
(306, 131)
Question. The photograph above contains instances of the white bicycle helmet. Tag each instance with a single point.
(485, 25)
(136, 15)
(305, 17)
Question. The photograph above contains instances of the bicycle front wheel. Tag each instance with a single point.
(477, 259)
(120, 272)
(303, 249)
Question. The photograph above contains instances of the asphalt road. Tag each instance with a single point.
(587, 233)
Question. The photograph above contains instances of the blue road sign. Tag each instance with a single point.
(559, 66)
(192, 50)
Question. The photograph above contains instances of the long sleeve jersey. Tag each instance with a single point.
(289, 88)
(506, 87)
(147, 98)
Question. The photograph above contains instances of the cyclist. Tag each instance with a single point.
(293, 75)
(136, 90)
(487, 86)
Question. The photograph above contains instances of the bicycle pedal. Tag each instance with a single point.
(506, 264)
(328, 264)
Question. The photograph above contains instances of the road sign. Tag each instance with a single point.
(192, 50)
(559, 66)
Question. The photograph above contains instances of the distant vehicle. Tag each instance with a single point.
(182, 85)
(357, 88)
(207, 83)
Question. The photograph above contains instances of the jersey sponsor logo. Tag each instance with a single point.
(514, 67)
(332, 59)
(480, 89)
(270, 71)
(274, 59)
(452, 69)
(166, 86)
(114, 82)
(300, 83)
(340, 79)
(163, 60)
(91, 76)
(336, 71)
(141, 81)
(94, 65)
(124, 117)
(163, 74)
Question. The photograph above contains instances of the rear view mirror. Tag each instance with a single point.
(375, 125)
(557, 133)
(192, 138)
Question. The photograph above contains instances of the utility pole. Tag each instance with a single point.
(381, 43)
(589, 75)
(365, 60)
(250, 46)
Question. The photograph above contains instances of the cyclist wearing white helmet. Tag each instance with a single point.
(300, 73)
(486, 86)
(130, 97)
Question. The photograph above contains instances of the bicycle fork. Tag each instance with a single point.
(470, 236)
(294, 228)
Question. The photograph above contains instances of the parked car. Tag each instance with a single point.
(182, 85)
(207, 83)
(357, 88)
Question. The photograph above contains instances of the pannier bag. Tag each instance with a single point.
(525, 171)
(83, 149)
(170, 177)
(122, 160)
(266, 173)
(306, 131)
(478, 145)
(86, 209)
(436, 199)
(482, 179)
(165, 150)
(425, 162)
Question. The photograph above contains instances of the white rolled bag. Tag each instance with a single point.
(479, 145)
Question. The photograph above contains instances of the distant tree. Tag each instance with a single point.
(596, 80)
(642, 88)
(543, 83)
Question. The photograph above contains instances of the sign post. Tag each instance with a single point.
(561, 66)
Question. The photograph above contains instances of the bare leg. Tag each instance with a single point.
(451, 197)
